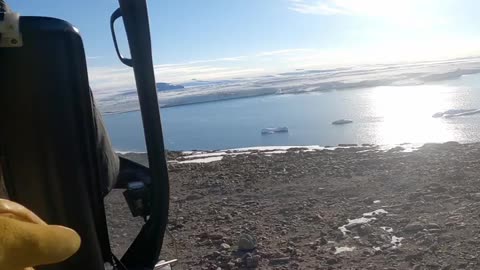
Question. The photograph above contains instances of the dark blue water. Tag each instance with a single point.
(381, 115)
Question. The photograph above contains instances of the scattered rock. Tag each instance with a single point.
(296, 202)
(193, 196)
(215, 236)
(321, 241)
(438, 188)
(332, 260)
(475, 196)
(413, 227)
(275, 261)
(246, 242)
(364, 229)
(225, 246)
(252, 261)
(432, 226)
(414, 257)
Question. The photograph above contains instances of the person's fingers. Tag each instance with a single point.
(17, 211)
(24, 244)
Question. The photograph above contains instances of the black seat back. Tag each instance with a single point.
(55, 156)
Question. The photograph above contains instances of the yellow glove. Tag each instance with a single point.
(27, 241)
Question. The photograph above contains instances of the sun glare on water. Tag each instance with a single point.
(407, 115)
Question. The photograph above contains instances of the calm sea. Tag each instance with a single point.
(381, 115)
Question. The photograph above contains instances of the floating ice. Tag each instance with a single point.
(342, 122)
(273, 130)
(456, 113)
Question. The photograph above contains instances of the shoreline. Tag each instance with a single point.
(385, 147)
(341, 209)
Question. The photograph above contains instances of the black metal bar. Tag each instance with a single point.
(145, 250)
(117, 14)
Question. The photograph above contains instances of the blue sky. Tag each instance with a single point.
(217, 39)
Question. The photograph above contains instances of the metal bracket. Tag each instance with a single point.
(10, 36)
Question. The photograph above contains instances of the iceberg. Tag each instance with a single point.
(272, 130)
(455, 113)
(342, 122)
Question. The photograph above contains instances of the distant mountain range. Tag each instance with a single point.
(195, 82)
(161, 86)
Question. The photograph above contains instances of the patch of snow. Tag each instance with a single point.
(377, 248)
(365, 151)
(202, 160)
(361, 220)
(343, 249)
(367, 217)
(387, 229)
(275, 152)
(376, 201)
(128, 152)
(407, 147)
(204, 155)
(197, 155)
(273, 148)
(375, 213)
(396, 241)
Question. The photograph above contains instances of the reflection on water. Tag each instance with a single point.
(407, 114)
(381, 115)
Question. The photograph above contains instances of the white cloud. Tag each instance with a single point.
(353, 7)
(107, 78)
(316, 7)
(281, 52)
(410, 13)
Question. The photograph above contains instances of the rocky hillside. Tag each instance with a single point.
(352, 208)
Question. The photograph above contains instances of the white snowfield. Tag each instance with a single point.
(300, 81)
